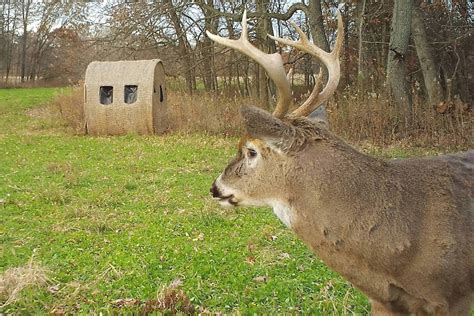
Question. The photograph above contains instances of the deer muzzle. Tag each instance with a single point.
(224, 200)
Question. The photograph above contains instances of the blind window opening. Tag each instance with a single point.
(106, 95)
(130, 94)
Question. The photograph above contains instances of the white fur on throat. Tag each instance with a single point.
(283, 212)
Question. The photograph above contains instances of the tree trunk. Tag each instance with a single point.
(8, 39)
(360, 60)
(24, 39)
(426, 58)
(256, 81)
(262, 31)
(463, 79)
(208, 48)
(316, 24)
(183, 46)
(233, 56)
(397, 83)
(307, 71)
(25, 13)
(246, 78)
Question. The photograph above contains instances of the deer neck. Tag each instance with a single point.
(337, 195)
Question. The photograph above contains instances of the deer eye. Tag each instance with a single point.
(251, 153)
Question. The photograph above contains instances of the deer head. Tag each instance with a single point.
(257, 175)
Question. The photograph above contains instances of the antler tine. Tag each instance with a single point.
(272, 63)
(289, 75)
(330, 60)
(308, 104)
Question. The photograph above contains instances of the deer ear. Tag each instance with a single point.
(263, 125)
(320, 116)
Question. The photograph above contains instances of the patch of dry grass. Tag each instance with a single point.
(14, 83)
(170, 300)
(370, 118)
(357, 117)
(205, 112)
(14, 280)
(70, 106)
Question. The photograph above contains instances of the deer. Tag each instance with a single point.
(401, 230)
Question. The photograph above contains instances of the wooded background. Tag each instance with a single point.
(400, 47)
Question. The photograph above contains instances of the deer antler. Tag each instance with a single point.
(330, 60)
(272, 63)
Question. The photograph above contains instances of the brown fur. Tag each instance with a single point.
(399, 230)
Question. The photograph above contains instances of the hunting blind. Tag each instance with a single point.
(122, 97)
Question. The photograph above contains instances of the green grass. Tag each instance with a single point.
(122, 217)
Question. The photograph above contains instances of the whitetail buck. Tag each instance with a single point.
(399, 230)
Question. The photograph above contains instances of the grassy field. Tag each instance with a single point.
(110, 222)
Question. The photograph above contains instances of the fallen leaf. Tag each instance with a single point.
(176, 283)
(125, 302)
(199, 237)
(261, 278)
(251, 247)
(284, 255)
(53, 288)
(250, 260)
(58, 311)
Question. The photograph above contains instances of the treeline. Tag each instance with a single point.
(402, 47)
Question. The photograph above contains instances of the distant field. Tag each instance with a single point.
(112, 221)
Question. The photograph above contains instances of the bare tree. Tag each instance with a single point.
(263, 27)
(426, 58)
(25, 9)
(185, 50)
(8, 40)
(210, 23)
(360, 17)
(397, 83)
(315, 17)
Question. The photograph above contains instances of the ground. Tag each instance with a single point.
(110, 222)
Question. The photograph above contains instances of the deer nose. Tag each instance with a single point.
(215, 191)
